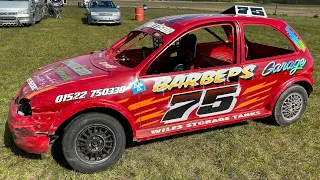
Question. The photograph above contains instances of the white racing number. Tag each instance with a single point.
(107, 91)
(207, 102)
(94, 93)
(71, 96)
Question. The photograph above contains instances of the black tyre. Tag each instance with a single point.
(93, 142)
(290, 106)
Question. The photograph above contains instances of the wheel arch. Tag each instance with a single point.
(302, 81)
(117, 112)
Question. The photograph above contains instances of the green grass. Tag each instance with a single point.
(250, 150)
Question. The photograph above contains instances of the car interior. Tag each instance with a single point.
(189, 53)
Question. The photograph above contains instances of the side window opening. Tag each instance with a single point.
(264, 41)
(203, 48)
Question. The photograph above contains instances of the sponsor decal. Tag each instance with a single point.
(291, 66)
(160, 27)
(206, 78)
(77, 68)
(138, 86)
(207, 122)
(43, 79)
(94, 93)
(107, 65)
(62, 74)
(32, 85)
(298, 42)
(208, 102)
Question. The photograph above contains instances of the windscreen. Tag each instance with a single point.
(102, 4)
(135, 48)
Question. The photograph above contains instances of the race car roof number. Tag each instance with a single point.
(160, 27)
(246, 11)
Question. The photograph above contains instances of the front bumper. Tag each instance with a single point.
(16, 20)
(98, 19)
(24, 133)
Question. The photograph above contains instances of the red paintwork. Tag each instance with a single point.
(47, 115)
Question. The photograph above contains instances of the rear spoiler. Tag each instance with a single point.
(246, 11)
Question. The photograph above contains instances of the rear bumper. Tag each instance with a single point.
(24, 133)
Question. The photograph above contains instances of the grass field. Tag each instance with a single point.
(249, 150)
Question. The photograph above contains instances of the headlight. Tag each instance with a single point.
(24, 107)
(23, 11)
(94, 13)
(116, 14)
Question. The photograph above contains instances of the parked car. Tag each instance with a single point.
(103, 12)
(21, 12)
(171, 75)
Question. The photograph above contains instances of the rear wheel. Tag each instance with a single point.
(290, 106)
(93, 142)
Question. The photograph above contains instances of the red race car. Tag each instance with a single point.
(171, 75)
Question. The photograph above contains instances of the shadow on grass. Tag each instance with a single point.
(84, 20)
(9, 143)
(57, 154)
(56, 149)
(266, 121)
(135, 144)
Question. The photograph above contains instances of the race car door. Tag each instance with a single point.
(269, 57)
(176, 95)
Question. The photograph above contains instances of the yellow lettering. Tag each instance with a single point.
(248, 71)
(177, 82)
(220, 76)
(207, 78)
(192, 80)
(235, 71)
(161, 84)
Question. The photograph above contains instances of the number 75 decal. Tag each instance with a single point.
(250, 11)
(208, 102)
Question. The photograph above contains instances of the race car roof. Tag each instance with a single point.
(172, 25)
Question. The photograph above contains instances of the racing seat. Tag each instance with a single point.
(187, 51)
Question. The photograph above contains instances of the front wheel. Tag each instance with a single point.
(290, 106)
(93, 142)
